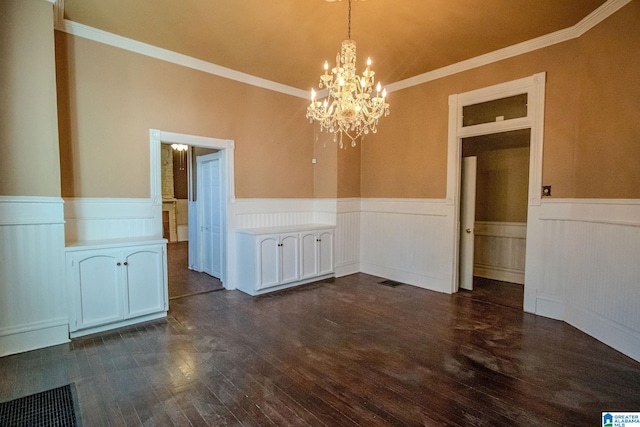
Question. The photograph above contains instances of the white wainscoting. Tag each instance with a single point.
(259, 213)
(499, 250)
(33, 310)
(92, 219)
(347, 237)
(405, 240)
(592, 269)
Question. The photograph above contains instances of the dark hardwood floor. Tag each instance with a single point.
(496, 292)
(182, 281)
(337, 353)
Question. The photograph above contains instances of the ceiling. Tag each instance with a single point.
(287, 41)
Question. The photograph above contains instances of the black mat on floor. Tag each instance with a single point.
(391, 283)
(55, 407)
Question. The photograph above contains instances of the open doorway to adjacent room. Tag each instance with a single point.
(494, 193)
(183, 219)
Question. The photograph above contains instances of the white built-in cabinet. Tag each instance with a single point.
(114, 284)
(316, 253)
(280, 257)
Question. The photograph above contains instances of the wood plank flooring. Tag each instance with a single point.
(182, 281)
(496, 292)
(345, 352)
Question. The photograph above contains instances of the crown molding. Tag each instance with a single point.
(597, 16)
(131, 45)
(590, 21)
(600, 14)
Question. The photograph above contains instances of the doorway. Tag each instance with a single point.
(188, 256)
(185, 257)
(517, 105)
(493, 216)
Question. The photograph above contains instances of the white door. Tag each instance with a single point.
(467, 220)
(210, 209)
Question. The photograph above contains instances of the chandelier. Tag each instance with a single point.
(181, 149)
(351, 107)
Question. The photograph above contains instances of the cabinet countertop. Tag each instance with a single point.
(113, 243)
(285, 229)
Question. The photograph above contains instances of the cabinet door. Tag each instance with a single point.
(268, 260)
(309, 255)
(289, 261)
(98, 289)
(325, 251)
(144, 282)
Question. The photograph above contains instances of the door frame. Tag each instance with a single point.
(534, 86)
(226, 147)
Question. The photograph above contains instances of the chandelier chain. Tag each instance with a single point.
(349, 28)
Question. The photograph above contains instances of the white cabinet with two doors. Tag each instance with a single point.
(114, 284)
(280, 257)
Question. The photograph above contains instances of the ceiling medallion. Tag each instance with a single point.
(351, 108)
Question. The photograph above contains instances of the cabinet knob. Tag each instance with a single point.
(118, 264)
(126, 263)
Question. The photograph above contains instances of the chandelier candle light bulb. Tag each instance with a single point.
(349, 109)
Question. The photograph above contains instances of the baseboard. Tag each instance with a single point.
(497, 273)
(34, 336)
(617, 336)
(347, 269)
(438, 284)
(116, 325)
(551, 307)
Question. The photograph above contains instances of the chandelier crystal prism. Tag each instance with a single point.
(351, 107)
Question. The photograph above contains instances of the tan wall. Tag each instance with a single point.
(324, 171)
(349, 171)
(110, 98)
(29, 160)
(502, 185)
(592, 134)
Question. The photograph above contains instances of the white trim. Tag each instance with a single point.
(590, 21)
(100, 36)
(512, 230)
(597, 16)
(623, 212)
(587, 273)
(427, 207)
(30, 210)
(534, 86)
(46, 324)
(32, 295)
(615, 335)
(36, 336)
(503, 274)
(95, 218)
(227, 146)
(406, 240)
(119, 324)
(551, 307)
